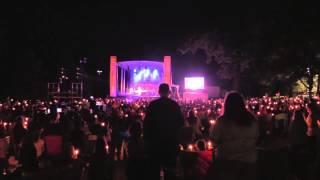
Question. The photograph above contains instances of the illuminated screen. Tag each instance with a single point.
(194, 83)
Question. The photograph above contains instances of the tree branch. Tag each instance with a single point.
(304, 84)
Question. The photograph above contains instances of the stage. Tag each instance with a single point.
(138, 78)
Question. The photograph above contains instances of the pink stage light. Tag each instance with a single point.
(194, 83)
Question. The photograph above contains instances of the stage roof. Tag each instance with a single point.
(140, 63)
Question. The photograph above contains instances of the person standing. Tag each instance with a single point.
(162, 123)
(235, 134)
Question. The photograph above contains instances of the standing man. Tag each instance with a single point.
(161, 126)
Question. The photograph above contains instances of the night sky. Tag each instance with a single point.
(38, 38)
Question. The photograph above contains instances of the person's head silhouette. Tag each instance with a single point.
(164, 90)
(235, 109)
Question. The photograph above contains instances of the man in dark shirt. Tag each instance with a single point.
(161, 126)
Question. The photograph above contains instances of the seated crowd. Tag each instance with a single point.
(92, 135)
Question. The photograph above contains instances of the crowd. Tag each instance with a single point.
(91, 135)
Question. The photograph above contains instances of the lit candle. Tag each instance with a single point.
(212, 122)
(190, 147)
(103, 124)
(75, 153)
(209, 145)
(25, 125)
(107, 149)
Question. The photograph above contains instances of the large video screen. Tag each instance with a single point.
(194, 83)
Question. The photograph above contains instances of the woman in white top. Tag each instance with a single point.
(235, 134)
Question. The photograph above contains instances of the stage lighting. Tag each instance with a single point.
(146, 74)
(155, 74)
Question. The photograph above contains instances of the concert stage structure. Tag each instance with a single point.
(139, 78)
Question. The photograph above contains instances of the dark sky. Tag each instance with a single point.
(37, 38)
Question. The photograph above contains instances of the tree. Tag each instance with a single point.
(231, 61)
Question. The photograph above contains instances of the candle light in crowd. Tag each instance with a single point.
(103, 124)
(96, 116)
(107, 148)
(76, 153)
(13, 109)
(258, 113)
(126, 115)
(190, 147)
(209, 145)
(212, 122)
(25, 125)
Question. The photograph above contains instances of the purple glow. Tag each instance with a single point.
(144, 77)
(155, 74)
(194, 83)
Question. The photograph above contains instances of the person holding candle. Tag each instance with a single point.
(19, 132)
(100, 165)
(235, 135)
(162, 122)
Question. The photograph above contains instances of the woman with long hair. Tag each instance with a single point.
(235, 134)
